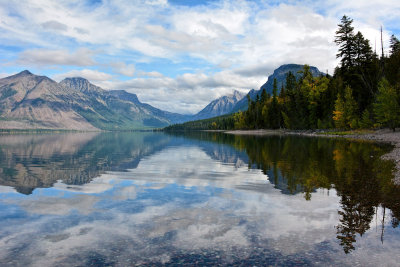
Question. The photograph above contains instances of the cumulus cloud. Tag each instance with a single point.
(187, 93)
(46, 57)
(124, 69)
(91, 75)
(242, 42)
(54, 25)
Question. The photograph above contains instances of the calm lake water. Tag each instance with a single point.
(120, 199)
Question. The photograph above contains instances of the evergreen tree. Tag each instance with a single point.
(273, 112)
(345, 39)
(366, 121)
(264, 96)
(392, 71)
(362, 50)
(387, 108)
(394, 45)
(350, 108)
(286, 120)
(290, 82)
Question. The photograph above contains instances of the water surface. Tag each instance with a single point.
(120, 199)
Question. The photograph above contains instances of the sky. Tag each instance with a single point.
(179, 55)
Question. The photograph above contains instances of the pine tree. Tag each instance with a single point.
(366, 121)
(387, 108)
(394, 45)
(362, 50)
(264, 96)
(290, 83)
(345, 39)
(273, 112)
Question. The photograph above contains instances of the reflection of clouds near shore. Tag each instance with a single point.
(176, 201)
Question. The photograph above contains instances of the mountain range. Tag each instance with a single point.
(29, 101)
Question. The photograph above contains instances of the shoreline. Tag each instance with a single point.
(383, 135)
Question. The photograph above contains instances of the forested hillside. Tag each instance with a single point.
(362, 93)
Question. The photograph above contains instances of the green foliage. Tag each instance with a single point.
(350, 108)
(366, 122)
(344, 100)
(394, 45)
(345, 39)
(338, 113)
(225, 122)
(387, 108)
(239, 120)
(345, 110)
(286, 120)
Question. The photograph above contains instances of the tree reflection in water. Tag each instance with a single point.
(295, 165)
(302, 165)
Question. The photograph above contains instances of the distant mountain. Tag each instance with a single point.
(220, 106)
(241, 105)
(82, 85)
(170, 116)
(280, 75)
(158, 117)
(28, 101)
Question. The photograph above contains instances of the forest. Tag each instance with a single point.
(363, 93)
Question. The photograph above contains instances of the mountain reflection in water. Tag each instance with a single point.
(198, 198)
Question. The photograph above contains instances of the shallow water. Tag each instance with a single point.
(120, 199)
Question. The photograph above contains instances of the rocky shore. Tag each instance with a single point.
(383, 135)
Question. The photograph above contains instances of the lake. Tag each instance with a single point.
(142, 198)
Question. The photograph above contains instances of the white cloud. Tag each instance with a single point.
(156, 2)
(246, 39)
(54, 25)
(46, 57)
(154, 74)
(91, 75)
(124, 69)
(3, 75)
(187, 93)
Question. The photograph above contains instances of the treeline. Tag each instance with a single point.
(364, 92)
(224, 122)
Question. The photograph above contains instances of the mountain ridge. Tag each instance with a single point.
(29, 101)
(220, 106)
(280, 75)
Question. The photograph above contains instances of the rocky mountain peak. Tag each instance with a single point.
(77, 82)
(124, 95)
(220, 106)
(238, 95)
(81, 84)
(24, 73)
